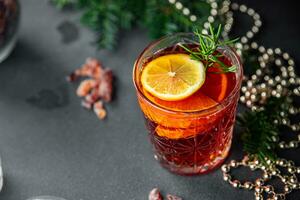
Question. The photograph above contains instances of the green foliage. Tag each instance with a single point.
(108, 18)
(261, 134)
(207, 51)
(61, 3)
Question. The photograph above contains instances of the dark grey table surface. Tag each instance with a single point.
(51, 146)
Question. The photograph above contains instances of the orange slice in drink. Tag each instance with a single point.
(196, 102)
(173, 77)
(216, 84)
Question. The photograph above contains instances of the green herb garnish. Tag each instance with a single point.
(207, 50)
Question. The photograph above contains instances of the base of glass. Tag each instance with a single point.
(7, 48)
(196, 170)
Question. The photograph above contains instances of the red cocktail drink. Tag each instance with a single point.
(191, 135)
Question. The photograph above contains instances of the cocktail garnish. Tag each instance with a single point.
(207, 50)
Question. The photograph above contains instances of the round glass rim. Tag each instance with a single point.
(221, 104)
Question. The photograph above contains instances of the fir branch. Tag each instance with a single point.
(207, 50)
(260, 134)
(109, 17)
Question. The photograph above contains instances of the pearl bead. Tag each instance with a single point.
(283, 82)
(249, 34)
(205, 32)
(238, 45)
(206, 25)
(234, 6)
(266, 78)
(271, 82)
(270, 51)
(242, 99)
(244, 89)
(186, 11)
(290, 68)
(249, 83)
(278, 62)
(214, 5)
(258, 72)
(258, 189)
(248, 103)
(225, 168)
(236, 183)
(256, 16)
(244, 40)
(257, 23)
(248, 185)
(254, 45)
(286, 56)
(266, 176)
(243, 8)
(250, 12)
(226, 177)
(254, 90)
(213, 12)
(261, 49)
(278, 51)
(259, 182)
(233, 163)
(263, 94)
(291, 62)
(266, 57)
(255, 29)
(211, 19)
(193, 18)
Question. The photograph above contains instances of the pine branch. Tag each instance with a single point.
(260, 134)
(109, 17)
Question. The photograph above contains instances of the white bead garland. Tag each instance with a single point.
(255, 93)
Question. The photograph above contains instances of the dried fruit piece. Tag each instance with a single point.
(173, 197)
(85, 87)
(86, 104)
(99, 110)
(155, 194)
(105, 86)
(95, 89)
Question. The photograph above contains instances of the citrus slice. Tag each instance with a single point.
(173, 77)
(196, 102)
(216, 84)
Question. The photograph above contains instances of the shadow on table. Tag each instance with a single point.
(29, 76)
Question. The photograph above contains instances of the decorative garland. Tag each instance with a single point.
(256, 92)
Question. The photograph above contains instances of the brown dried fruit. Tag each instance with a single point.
(99, 110)
(105, 86)
(86, 104)
(173, 197)
(98, 87)
(155, 194)
(85, 87)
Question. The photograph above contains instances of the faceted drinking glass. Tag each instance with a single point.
(208, 132)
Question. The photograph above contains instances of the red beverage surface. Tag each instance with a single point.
(186, 140)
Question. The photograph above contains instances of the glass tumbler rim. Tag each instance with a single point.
(213, 109)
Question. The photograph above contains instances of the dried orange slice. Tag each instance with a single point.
(173, 77)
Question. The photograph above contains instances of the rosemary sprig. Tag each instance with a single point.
(207, 50)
